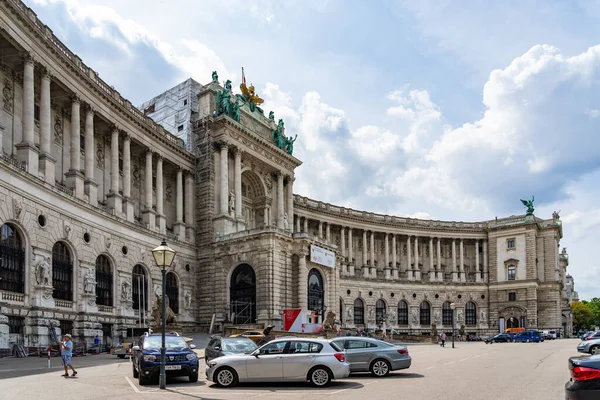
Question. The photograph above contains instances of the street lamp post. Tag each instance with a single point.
(163, 255)
(452, 307)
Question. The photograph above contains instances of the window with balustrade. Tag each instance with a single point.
(12, 260)
(104, 282)
(62, 272)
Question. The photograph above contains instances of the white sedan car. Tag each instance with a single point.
(317, 361)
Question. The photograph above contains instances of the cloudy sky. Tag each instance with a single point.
(435, 109)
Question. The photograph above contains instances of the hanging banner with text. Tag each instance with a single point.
(321, 256)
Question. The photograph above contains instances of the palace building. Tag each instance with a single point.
(90, 184)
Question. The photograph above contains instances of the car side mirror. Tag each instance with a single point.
(135, 348)
(217, 347)
(192, 346)
(255, 353)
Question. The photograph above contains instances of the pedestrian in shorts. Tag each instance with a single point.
(66, 352)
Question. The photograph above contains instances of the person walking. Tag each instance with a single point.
(97, 344)
(66, 352)
(443, 339)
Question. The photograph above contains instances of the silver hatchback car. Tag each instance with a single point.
(379, 357)
(282, 360)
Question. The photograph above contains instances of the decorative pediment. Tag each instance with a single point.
(511, 261)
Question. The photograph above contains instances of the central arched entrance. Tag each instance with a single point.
(242, 295)
(512, 322)
(316, 294)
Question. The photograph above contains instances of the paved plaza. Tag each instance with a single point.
(471, 371)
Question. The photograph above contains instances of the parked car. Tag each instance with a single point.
(123, 350)
(317, 361)
(373, 355)
(591, 335)
(585, 378)
(255, 336)
(550, 334)
(181, 360)
(222, 346)
(591, 346)
(499, 338)
(529, 336)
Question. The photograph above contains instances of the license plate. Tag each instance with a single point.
(172, 367)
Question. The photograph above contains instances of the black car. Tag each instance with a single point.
(585, 378)
(499, 338)
(222, 346)
(180, 358)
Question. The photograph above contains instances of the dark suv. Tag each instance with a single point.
(180, 358)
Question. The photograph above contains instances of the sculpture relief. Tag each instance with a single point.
(7, 96)
(350, 314)
(231, 203)
(58, 129)
(187, 296)
(437, 319)
(459, 316)
(391, 316)
(17, 208)
(483, 316)
(42, 275)
(126, 290)
(268, 182)
(286, 225)
(415, 316)
(99, 155)
(89, 282)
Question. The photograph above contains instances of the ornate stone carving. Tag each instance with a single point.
(483, 316)
(7, 96)
(108, 242)
(459, 316)
(350, 314)
(17, 209)
(391, 316)
(58, 129)
(169, 192)
(231, 203)
(268, 179)
(89, 282)
(437, 319)
(136, 175)
(286, 225)
(67, 230)
(126, 290)
(415, 316)
(42, 273)
(187, 300)
(99, 155)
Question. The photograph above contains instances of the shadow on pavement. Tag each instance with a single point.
(273, 387)
(391, 375)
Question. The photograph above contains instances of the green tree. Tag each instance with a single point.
(594, 306)
(583, 316)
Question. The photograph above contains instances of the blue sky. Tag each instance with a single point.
(438, 109)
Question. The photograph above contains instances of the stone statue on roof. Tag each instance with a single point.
(529, 205)
(215, 77)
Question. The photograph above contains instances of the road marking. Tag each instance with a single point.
(132, 385)
(431, 367)
(448, 363)
(353, 387)
(464, 359)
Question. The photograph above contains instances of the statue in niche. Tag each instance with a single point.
(43, 273)
(350, 314)
(286, 224)
(89, 282)
(188, 299)
(437, 319)
(529, 205)
(391, 316)
(215, 77)
(415, 316)
(459, 316)
(126, 290)
(231, 203)
(372, 314)
(483, 316)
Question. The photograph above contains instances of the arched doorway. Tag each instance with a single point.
(512, 322)
(316, 294)
(242, 295)
(12, 260)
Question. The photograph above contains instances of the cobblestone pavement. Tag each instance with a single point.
(471, 371)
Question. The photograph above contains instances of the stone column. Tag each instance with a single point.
(431, 267)
(129, 207)
(350, 253)
(305, 230)
(224, 180)
(386, 267)
(47, 163)
(485, 262)
(74, 176)
(160, 187)
(417, 269)
(179, 226)
(454, 272)
(298, 224)
(302, 282)
(115, 200)
(463, 275)
(372, 256)
(148, 215)
(344, 263)
(439, 261)
(280, 208)
(477, 272)
(328, 232)
(27, 152)
(189, 206)
(365, 266)
(409, 272)
(394, 258)
(320, 229)
(290, 201)
(266, 216)
(237, 182)
(90, 186)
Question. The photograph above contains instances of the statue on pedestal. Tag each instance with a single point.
(89, 280)
(157, 313)
(42, 275)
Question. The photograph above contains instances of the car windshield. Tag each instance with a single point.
(239, 345)
(171, 343)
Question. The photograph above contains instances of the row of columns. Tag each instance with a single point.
(283, 213)
(43, 162)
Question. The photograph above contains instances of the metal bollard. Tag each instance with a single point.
(49, 356)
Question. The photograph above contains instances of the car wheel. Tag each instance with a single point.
(194, 377)
(225, 377)
(319, 376)
(380, 367)
(135, 372)
(594, 349)
(142, 380)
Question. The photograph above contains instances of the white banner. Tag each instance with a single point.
(322, 256)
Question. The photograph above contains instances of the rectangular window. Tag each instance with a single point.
(179, 128)
(15, 324)
(510, 243)
(512, 272)
(512, 296)
(66, 327)
(185, 102)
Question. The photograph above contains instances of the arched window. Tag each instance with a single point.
(62, 272)
(380, 311)
(242, 295)
(104, 282)
(446, 313)
(12, 260)
(425, 314)
(359, 312)
(402, 313)
(139, 292)
(172, 290)
(316, 292)
(471, 314)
